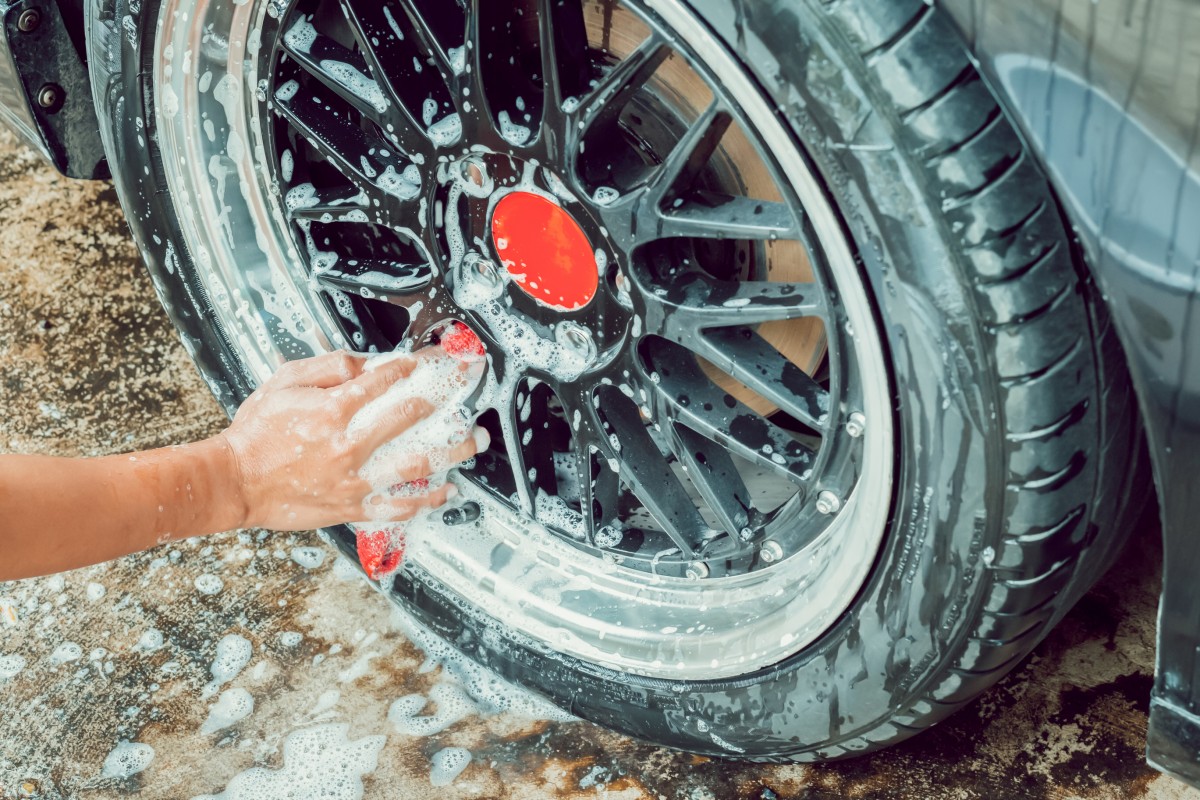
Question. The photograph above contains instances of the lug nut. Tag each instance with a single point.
(475, 178)
(695, 571)
(29, 20)
(477, 267)
(828, 502)
(771, 551)
(49, 96)
(467, 512)
(575, 338)
(856, 425)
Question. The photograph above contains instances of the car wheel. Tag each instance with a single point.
(809, 423)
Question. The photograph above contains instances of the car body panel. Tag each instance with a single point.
(1108, 94)
(45, 95)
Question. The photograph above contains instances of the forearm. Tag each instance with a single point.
(57, 514)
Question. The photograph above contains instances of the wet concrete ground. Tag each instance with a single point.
(89, 365)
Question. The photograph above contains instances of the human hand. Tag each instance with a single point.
(298, 464)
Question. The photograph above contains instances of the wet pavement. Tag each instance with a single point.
(125, 652)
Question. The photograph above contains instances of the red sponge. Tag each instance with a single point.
(380, 551)
(461, 342)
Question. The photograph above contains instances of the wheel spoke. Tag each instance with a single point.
(380, 170)
(425, 37)
(693, 303)
(344, 204)
(378, 279)
(340, 70)
(533, 424)
(648, 473)
(689, 157)
(400, 50)
(715, 477)
(599, 486)
(710, 215)
(751, 360)
(563, 42)
(604, 103)
(689, 396)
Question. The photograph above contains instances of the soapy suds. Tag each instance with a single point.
(127, 759)
(151, 640)
(363, 87)
(308, 557)
(11, 666)
(290, 638)
(445, 384)
(233, 706)
(208, 584)
(490, 693)
(446, 131)
(317, 762)
(95, 591)
(512, 132)
(233, 654)
(447, 764)
(65, 653)
(451, 705)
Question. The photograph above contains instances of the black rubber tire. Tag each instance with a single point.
(1018, 442)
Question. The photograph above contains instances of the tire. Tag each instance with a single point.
(1014, 446)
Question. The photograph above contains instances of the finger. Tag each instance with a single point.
(323, 371)
(375, 381)
(395, 421)
(405, 508)
(414, 469)
(420, 467)
(473, 445)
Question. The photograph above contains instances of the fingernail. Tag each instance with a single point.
(482, 438)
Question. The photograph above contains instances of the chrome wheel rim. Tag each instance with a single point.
(703, 583)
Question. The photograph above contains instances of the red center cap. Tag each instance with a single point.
(545, 250)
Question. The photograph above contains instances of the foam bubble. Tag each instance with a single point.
(233, 706)
(290, 638)
(233, 654)
(126, 759)
(300, 37)
(208, 584)
(66, 652)
(152, 639)
(358, 83)
(11, 665)
(317, 762)
(447, 764)
(308, 557)
(446, 131)
(452, 705)
(95, 591)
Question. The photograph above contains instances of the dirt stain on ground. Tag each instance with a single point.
(89, 365)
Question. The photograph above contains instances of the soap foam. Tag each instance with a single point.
(447, 764)
(317, 762)
(233, 654)
(308, 557)
(11, 666)
(233, 706)
(127, 759)
(452, 705)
